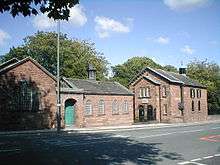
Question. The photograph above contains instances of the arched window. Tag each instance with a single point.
(125, 107)
(25, 97)
(115, 107)
(88, 108)
(193, 106)
(101, 107)
(199, 105)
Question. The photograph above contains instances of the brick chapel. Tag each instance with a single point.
(28, 98)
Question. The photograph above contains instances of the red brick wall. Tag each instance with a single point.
(192, 116)
(44, 83)
(154, 99)
(172, 100)
(108, 119)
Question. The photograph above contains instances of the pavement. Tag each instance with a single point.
(197, 143)
(111, 128)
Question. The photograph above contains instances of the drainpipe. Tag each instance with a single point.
(182, 100)
(58, 115)
(160, 103)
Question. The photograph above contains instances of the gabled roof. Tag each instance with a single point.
(13, 65)
(152, 80)
(171, 77)
(98, 87)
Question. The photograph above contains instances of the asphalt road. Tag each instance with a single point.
(178, 145)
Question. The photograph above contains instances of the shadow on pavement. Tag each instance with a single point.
(81, 149)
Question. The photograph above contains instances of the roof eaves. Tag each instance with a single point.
(174, 81)
(153, 81)
(123, 87)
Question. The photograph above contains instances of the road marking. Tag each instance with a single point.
(190, 162)
(170, 133)
(194, 160)
(208, 157)
(186, 162)
(142, 159)
(217, 155)
(11, 150)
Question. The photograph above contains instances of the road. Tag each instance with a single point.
(177, 145)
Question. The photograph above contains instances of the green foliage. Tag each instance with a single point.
(207, 74)
(75, 55)
(125, 72)
(53, 8)
(170, 68)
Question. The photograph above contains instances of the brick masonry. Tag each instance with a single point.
(45, 117)
(172, 99)
(96, 119)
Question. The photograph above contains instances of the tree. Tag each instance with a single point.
(125, 72)
(53, 8)
(75, 55)
(208, 74)
(170, 68)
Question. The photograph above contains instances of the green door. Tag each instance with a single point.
(69, 113)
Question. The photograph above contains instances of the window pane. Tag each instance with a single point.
(114, 107)
(125, 106)
(88, 108)
(193, 106)
(101, 107)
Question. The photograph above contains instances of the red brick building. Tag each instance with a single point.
(168, 97)
(28, 99)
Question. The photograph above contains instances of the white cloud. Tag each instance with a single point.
(186, 5)
(187, 50)
(105, 26)
(214, 42)
(42, 22)
(162, 40)
(4, 36)
(77, 16)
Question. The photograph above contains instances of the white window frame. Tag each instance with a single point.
(125, 107)
(115, 109)
(88, 108)
(101, 106)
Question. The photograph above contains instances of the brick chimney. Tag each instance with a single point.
(91, 72)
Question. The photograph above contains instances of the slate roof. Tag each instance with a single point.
(171, 77)
(98, 87)
(152, 80)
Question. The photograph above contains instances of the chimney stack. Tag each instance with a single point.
(182, 71)
(91, 72)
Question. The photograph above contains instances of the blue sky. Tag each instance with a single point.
(168, 31)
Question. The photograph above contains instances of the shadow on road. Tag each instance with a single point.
(80, 149)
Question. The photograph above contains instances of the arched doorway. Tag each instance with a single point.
(151, 113)
(70, 112)
(141, 113)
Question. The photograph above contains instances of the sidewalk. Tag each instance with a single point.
(110, 128)
(135, 127)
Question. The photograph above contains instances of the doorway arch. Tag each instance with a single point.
(141, 113)
(69, 112)
(151, 113)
